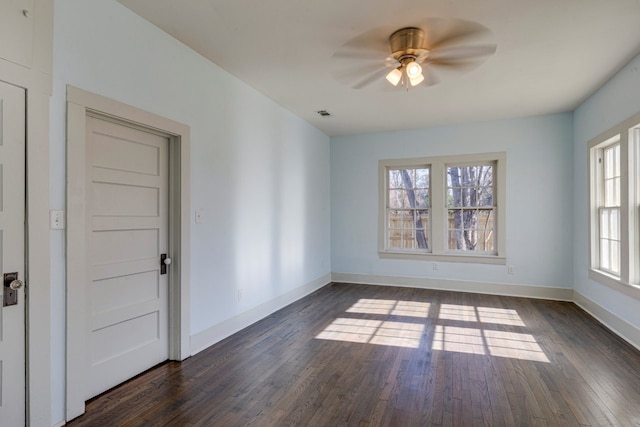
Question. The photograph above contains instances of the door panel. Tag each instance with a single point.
(12, 320)
(127, 220)
(16, 31)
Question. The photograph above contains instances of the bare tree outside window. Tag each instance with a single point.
(470, 203)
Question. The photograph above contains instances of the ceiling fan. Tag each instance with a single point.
(415, 55)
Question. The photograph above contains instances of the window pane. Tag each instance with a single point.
(393, 218)
(395, 238)
(408, 178)
(454, 197)
(616, 191)
(614, 224)
(422, 198)
(398, 199)
(611, 175)
(605, 258)
(485, 240)
(608, 163)
(485, 218)
(471, 229)
(604, 223)
(422, 178)
(608, 193)
(485, 196)
(456, 240)
(615, 257)
(408, 240)
(469, 186)
(424, 217)
(455, 219)
(395, 180)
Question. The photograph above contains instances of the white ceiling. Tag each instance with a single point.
(551, 55)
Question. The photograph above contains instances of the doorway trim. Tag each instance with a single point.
(81, 103)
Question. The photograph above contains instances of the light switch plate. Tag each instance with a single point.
(56, 219)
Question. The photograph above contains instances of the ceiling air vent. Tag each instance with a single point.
(324, 113)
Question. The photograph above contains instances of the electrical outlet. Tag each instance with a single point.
(436, 266)
(199, 216)
(240, 294)
(510, 269)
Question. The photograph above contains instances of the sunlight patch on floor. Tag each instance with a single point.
(391, 307)
(398, 334)
(495, 343)
(501, 316)
(462, 339)
(469, 313)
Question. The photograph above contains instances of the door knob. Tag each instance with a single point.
(16, 284)
(164, 262)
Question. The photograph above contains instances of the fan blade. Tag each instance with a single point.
(460, 65)
(348, 55)
(462, 53)
(422, 57)
(353, 74)
(375, 42)
(430, 77)
(371, 78)
(443, 33)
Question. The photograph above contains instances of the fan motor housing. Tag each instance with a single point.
(407, 42)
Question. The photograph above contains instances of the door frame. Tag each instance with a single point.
(81, 103)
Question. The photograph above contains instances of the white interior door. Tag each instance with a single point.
(127, 231)
(12, 227)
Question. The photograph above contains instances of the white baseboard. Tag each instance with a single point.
(540, 292)
(216, 333)
(617, 325)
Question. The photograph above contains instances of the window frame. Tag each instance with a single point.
(428, 208)
(600, 152)
(627, 135)
(493, 207)
(439, 210)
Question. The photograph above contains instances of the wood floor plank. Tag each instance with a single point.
(359, 355)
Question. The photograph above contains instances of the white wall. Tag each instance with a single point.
(260, 174)
(614, 102)
(539, 188)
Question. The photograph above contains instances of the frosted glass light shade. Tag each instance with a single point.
(413, 69)
(394, 76)
(416, 80)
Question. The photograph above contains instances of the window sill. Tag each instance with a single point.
(614, 283)
(472, 259)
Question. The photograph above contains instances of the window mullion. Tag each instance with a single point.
(624, 208)
(631, 162)
(438, 208)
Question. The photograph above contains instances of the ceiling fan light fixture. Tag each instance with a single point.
(414, 70)
(395, 76)
(416, 80)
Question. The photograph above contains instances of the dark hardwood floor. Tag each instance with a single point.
(371, 355)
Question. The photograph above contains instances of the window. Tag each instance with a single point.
(443, 208)
(609, 208)
(471, 210)
(408, 208)
(614, 164)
